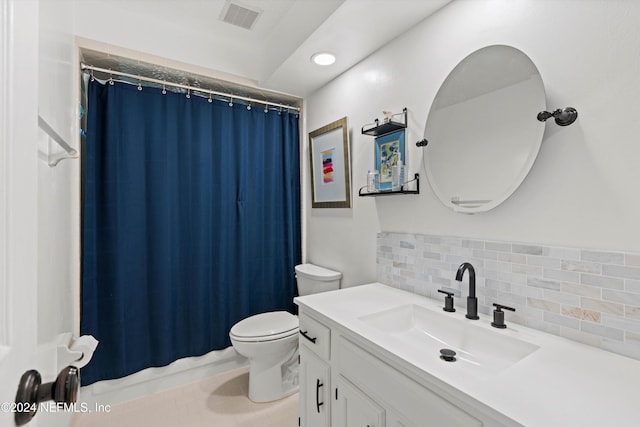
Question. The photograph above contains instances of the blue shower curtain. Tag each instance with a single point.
(191, 222)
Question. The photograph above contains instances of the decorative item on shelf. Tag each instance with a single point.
(330, 166)
(389, 153)
(563, 117)
(372, 181)
(397, 176)
(389, 124)
(363, 192)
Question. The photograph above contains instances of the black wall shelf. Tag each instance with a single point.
(416, 178)
(377, 129)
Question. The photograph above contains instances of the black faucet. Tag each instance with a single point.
(472, 301)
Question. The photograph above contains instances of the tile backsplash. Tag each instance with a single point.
(586, 295)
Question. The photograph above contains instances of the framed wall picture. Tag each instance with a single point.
(389, 150)
(330, 166)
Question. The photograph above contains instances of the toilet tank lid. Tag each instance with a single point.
(316, 272)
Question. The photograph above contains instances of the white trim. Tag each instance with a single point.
(5, 137)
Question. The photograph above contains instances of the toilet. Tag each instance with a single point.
(270, 340)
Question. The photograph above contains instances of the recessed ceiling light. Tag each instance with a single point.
(323, 58)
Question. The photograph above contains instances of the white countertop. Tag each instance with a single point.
(563, 383)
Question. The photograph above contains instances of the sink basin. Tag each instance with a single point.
(424, 332)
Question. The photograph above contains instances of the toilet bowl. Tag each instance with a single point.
(270, 340)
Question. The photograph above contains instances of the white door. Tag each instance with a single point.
(18, 197)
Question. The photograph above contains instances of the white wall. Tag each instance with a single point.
(583, 188)
(58, 187)
(58, 191)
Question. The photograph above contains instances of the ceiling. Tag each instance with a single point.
(275, 53)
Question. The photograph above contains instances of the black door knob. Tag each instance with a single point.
(31, 392)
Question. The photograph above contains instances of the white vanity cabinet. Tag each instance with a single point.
(344, 383)
(377, 349)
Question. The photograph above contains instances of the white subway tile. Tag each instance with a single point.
(621, 297)
(632, 260)
(560, 297)
(497, 246)
(512, 258)
(602, 257)
(529, 249)
(603, 331)
(558, 319)
(543, 261)
(545, 305)
(565, 253)
(632, 312)
(546, 284)
(582, 290)
(582, 266)
(602, 306)
(602, 281)
(543, 283)
(632, 286)
(561, 275)
(621, 271)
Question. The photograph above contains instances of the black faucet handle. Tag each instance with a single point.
(500, 307)
(498, 315)
(448, 301)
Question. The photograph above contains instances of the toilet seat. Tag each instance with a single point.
(269, 326)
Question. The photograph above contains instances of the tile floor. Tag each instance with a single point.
(219, 401)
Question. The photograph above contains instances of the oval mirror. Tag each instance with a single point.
(482, 129)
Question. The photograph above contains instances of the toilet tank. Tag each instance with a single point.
(313, 279)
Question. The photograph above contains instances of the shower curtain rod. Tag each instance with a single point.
(186, 87)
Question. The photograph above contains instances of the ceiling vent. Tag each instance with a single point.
(239, 15)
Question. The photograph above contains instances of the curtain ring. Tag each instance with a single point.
(249, 107)
(231, 102)
(164, 89)
(139, 84)
(210, 100)
(111, 82)
(93, 78)
(188, 93)
(266, 108)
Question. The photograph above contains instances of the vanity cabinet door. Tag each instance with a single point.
(355, 409)
(314, 403)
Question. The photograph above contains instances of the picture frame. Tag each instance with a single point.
(389, 149)
(330, 166)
